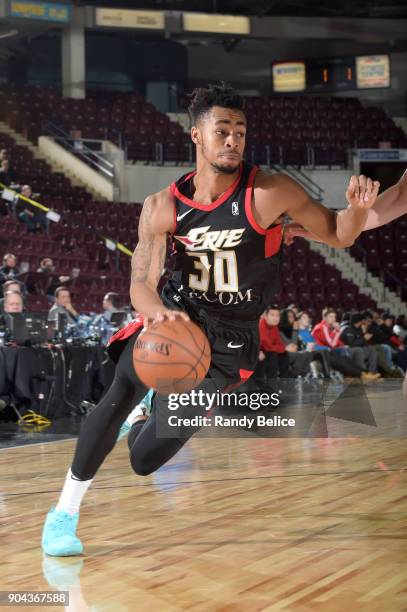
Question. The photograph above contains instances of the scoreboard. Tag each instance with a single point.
(334, 74)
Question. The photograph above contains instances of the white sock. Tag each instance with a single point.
(72, 493)
(136, 412)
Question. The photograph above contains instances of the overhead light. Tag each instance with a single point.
(219, 24)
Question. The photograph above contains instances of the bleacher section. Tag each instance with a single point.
(384, 251)
(77, 240)
(296, 130)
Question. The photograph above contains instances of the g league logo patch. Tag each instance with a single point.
(235, 208)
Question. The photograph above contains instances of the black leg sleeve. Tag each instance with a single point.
(99, 431)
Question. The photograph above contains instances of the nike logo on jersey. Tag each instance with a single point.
(201, 239)
(231, 345)
(179, 217)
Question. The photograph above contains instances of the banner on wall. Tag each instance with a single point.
(372, 71)
(125, 18)
(289, 76)
(44, 11)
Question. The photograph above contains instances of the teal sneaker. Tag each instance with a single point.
(124, 430)
(144, 407)
(59, 534)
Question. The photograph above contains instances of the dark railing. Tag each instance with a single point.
(305, 181)
(84, 152)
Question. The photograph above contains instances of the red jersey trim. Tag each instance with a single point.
(128, 331)
(248, 202)
(274, 237)
(175, 218)
(225, 196)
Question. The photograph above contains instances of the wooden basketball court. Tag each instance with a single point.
(241, 524)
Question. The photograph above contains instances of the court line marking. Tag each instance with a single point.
(192, 482)
(4, 448)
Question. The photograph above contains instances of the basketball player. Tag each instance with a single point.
(222, 219)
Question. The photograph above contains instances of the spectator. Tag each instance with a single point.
(400, 327)
(7, 176)
(63, 305)
(273, 356)
(398, 349)
(110, 304)
(34, 218)
(300, 361)
(54, 281)
(331, 358)
(353, 337)
(11, 285)
(375, 337)
(327, 333)
(8, 269)
(13, 302)
(3, 154)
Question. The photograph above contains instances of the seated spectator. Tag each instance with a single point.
(63, 305)
(300, 361)
(400, 327)
(398, 349)
(3, 154)
(8, 269)
(54, 281)
(110, 304)
(273, 356)
(353, 337)
(327, 333)
(7, 176)
(13, 302)
(375, 337)
(13, 286)
(34, 218)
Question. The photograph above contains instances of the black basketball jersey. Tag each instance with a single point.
(224, 261)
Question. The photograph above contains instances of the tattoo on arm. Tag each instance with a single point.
(149, 255)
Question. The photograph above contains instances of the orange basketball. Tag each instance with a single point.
(172, 356)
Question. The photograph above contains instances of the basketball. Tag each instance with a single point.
(172, 356)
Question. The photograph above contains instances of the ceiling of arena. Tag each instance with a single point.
(305, 8)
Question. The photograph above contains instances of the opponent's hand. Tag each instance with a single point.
(163, 314)
(362, 192)
(294, 230)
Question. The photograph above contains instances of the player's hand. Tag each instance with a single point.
(362, 192)
(163, 314)
(262, 356)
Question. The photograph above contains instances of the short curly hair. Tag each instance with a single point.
(203, 98)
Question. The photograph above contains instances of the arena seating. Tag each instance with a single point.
(77, 240)
(384, 251)
(295, 130)
(307, 280)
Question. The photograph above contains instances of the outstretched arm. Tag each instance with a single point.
(149, 258)
(390, 205)
(335, 229)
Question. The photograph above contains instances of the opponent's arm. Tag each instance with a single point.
(148, 259)
(335, 229)
(390, 205)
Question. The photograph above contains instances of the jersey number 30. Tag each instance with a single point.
(224, 272)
